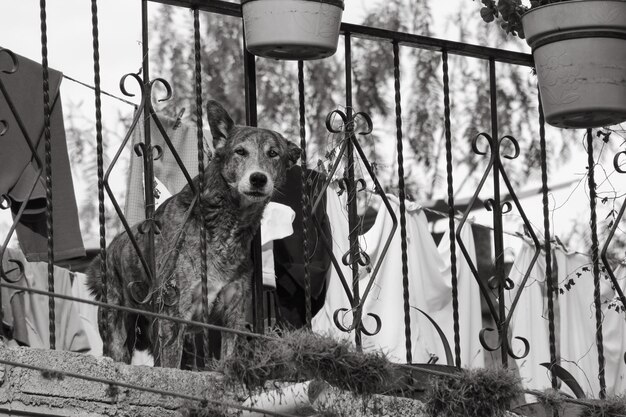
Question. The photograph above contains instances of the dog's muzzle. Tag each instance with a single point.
(259, 186)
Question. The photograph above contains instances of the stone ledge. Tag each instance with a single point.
(27, 389)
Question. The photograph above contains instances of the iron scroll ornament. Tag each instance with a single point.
(504, 282)
(167, 294)
(349, 129)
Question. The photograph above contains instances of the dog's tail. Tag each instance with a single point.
(94, 279)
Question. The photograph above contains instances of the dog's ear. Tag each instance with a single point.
(220, 123)
(293, 152)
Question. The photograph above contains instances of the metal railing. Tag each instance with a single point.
(351, 148)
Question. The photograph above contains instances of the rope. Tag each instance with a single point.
(548, 243)
(306, 207)
(100, 162)
(453, 271)
(596, 265)
(48, 165)
(201, 184)
(402, 196)
(101, 91)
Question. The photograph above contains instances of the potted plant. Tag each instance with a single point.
(579, 48)
(292, 29)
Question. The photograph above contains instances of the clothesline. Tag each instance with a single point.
(102, 91)
(515, 234)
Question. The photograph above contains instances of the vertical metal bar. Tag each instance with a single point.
(450, 181)
(201, 184)
(351, 192)
(249, 66)
(100, 164)
(48, 169)
(306, 207)
(548, 244)
(596, 263)
(498, 236)
(148, 165)
(402, 197)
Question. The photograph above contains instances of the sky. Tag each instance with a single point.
(70, 51)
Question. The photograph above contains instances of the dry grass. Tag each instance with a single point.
(609, 407)
(302, 355)
(477, 393)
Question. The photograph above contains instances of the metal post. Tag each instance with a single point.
(351, 190)
(498, 236)
(249, 65)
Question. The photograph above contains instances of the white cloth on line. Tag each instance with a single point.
(276, 223)
(470, 314)
(88, 313)
(427, 290)
(575, 323)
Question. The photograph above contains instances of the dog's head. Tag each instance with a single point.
(253, 160)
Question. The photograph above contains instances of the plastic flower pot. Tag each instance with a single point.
(292, 29)
(579, 48)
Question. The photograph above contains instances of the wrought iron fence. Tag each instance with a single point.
(356, 257)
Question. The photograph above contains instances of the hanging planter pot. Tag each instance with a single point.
(292, 29)
(579, 48)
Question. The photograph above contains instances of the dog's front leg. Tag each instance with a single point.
(232, 305)
(168, 349)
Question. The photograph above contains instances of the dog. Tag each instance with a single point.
(247, 166)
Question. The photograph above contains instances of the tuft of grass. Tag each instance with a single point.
(551, 399)
(477, 393)
(302, 355)
(614, 406)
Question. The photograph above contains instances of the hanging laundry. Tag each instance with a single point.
(579, 354)
(427, 289)
(530, 319)
(184, 138)
(88, 313)
(575, 323)
(614, 330)
(28, 312)
(18, 170)
(470, 314)
(289, 252)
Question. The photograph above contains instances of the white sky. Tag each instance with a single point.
(70, 51)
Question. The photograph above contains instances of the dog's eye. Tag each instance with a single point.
(272, 153)
(240, 151)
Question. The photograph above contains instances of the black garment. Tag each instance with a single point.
(289, 252)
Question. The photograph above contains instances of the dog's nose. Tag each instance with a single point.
(258, 179)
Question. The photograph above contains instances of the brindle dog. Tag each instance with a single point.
(248, 164)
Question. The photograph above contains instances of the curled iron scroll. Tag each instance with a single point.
(135, 290)
(616, 164)
(362, 258)
(164, 83)
(483, 341)
(20, 267)
(475, 148)
(14, 61)
(526, 348)
(515, 144)
(357, 321)
(123, 84)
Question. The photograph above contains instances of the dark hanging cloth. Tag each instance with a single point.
(18, 170)
(289, 252)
